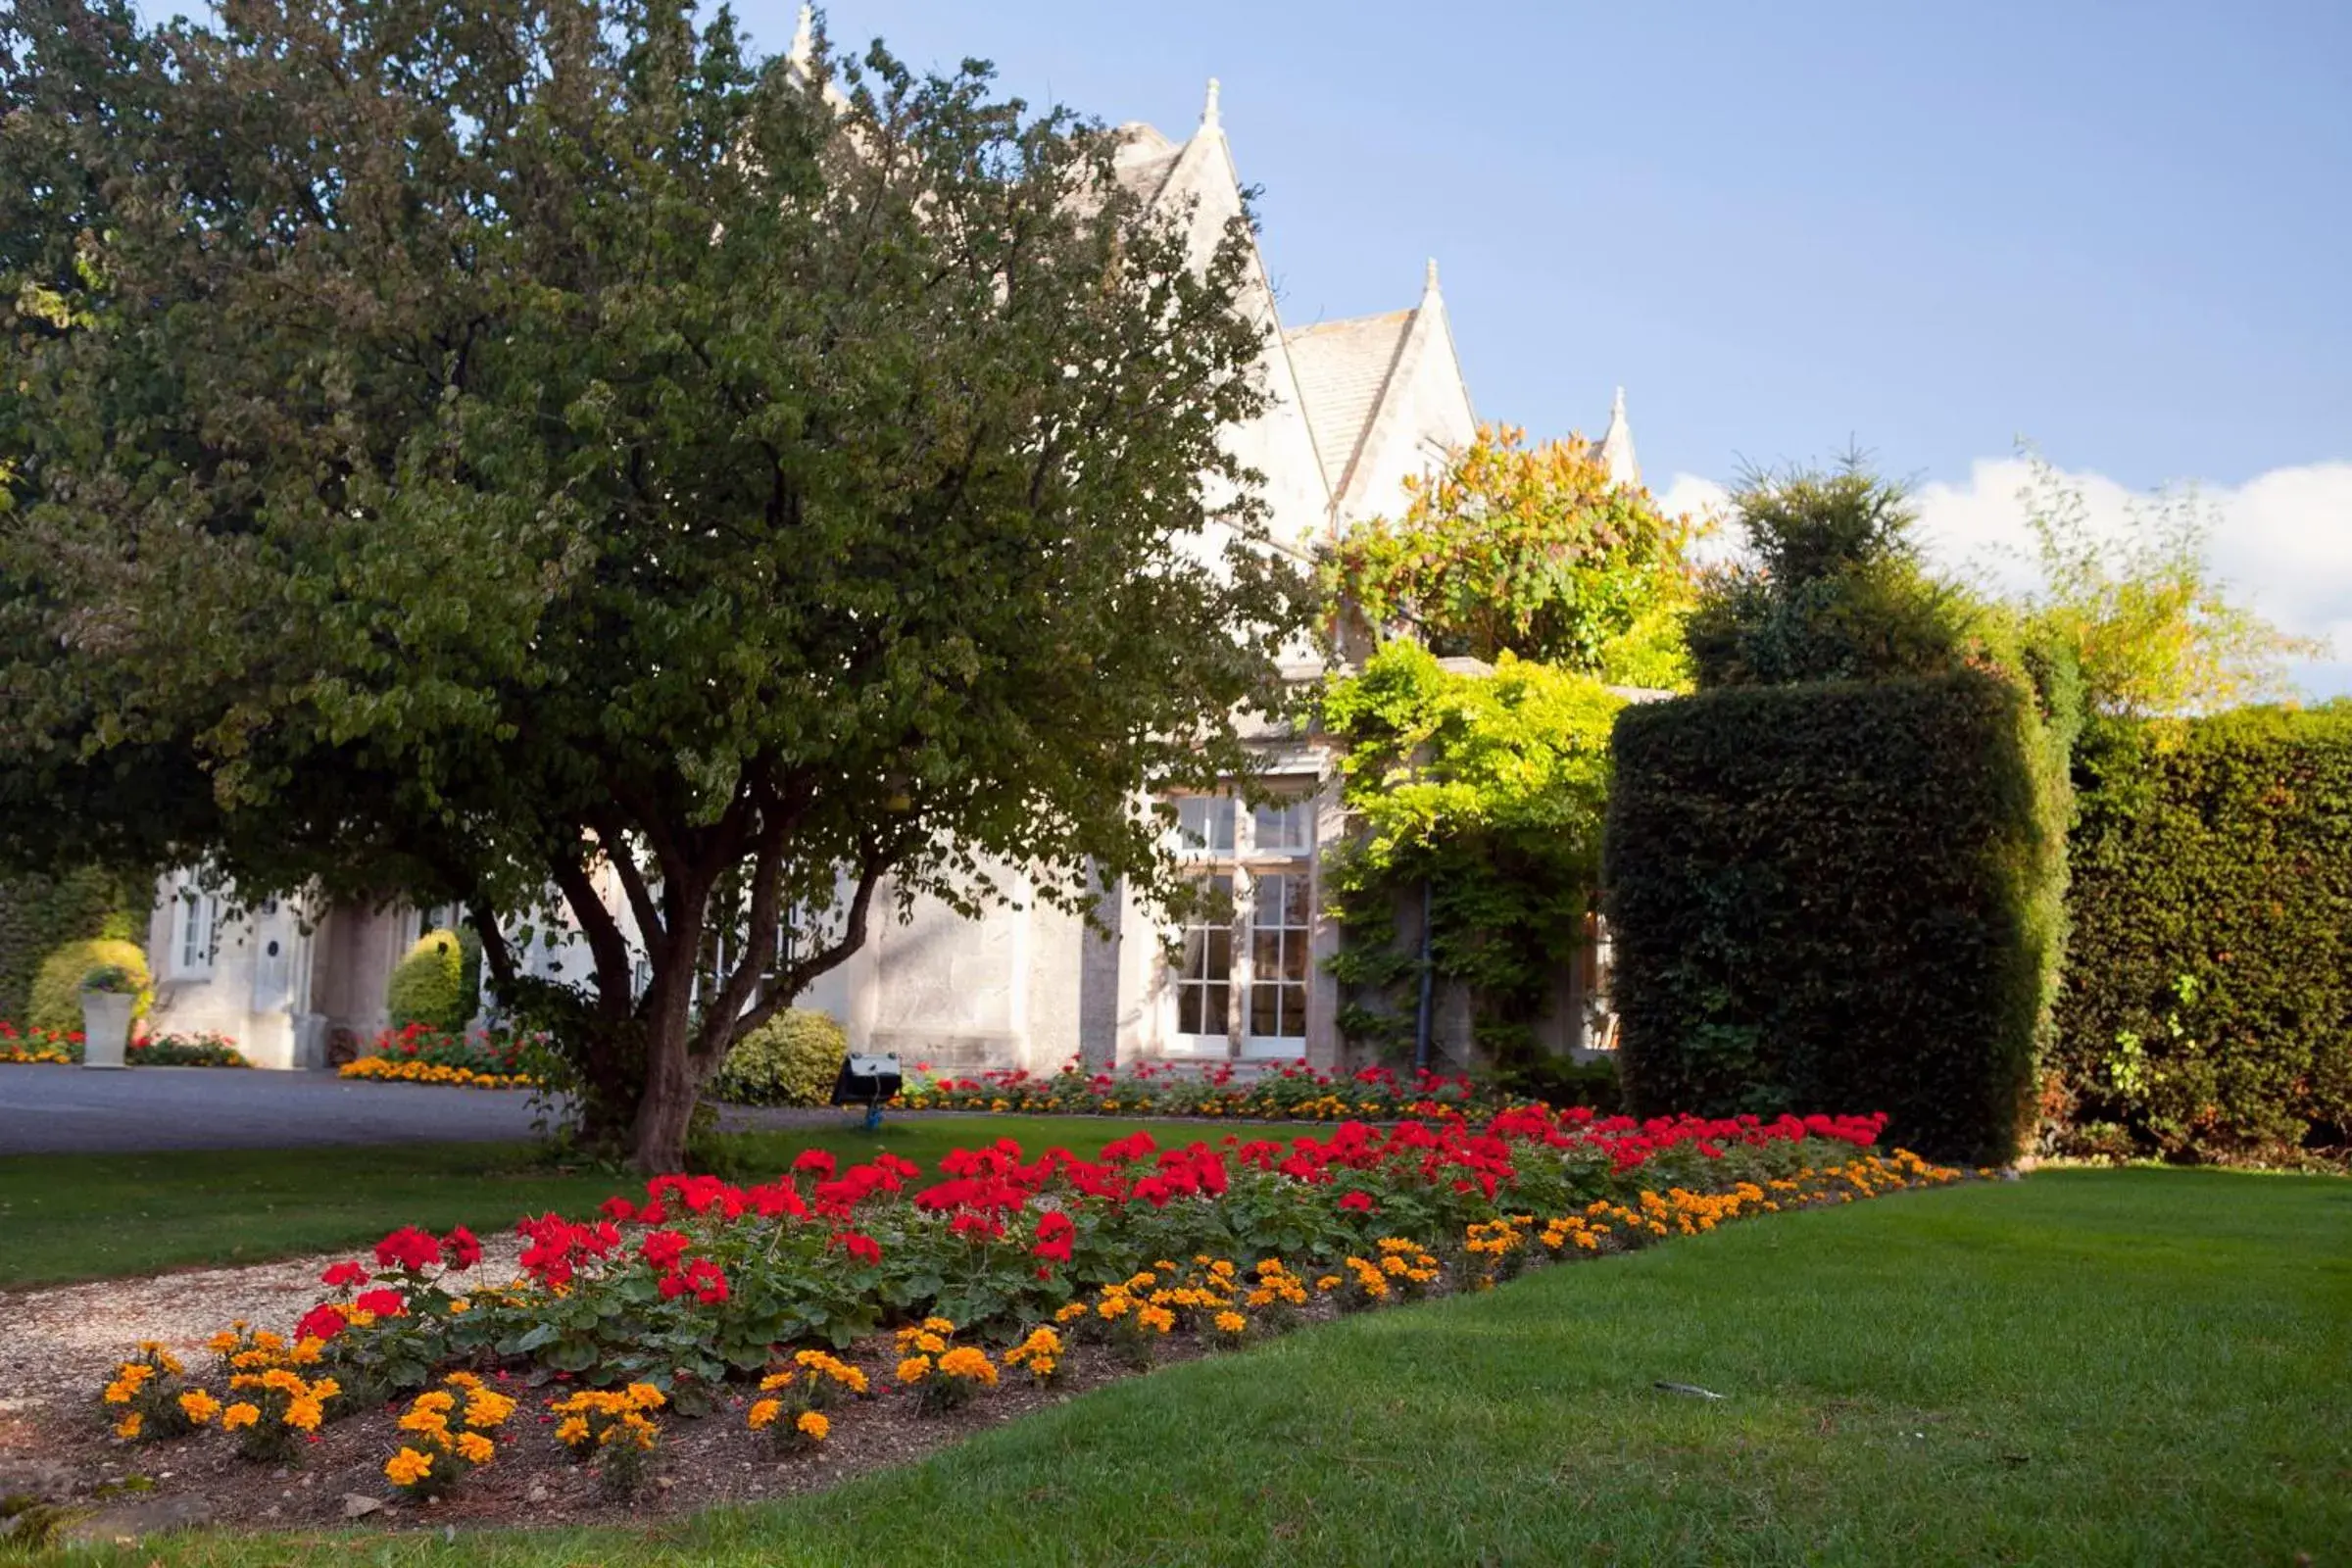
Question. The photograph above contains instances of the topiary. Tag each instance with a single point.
(428, 986)
(792, 1059)
(57, 986)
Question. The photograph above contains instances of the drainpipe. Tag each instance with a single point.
(1421, 1012)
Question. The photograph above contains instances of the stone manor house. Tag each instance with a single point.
(1358, 406)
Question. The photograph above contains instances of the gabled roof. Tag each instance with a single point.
(1144, 160)
(1343, 368)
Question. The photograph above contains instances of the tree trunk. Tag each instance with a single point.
(664, 1113)
(672, 1086)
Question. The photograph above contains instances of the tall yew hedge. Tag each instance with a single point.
(2207, 1007)
(1841, 897)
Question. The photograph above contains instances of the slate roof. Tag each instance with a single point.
(1343, 368)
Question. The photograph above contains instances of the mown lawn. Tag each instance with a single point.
(67, 1217)
(2127, 1367)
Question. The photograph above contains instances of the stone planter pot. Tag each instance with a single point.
(105, 1027)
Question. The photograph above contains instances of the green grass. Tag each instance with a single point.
(67, 1217)
(2127, 1367)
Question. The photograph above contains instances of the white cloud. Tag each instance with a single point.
(2283, 540)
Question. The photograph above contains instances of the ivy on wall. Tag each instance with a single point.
(1489, 791)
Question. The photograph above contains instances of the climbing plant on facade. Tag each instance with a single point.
(1489, 791)
(1533, 550)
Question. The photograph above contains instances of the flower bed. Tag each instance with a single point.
(1289, 1093)
(882, 1291)
(201, 1049)
(478, 1060)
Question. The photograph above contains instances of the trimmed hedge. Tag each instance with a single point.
(57, 988)
(2207, 1009)
(1842, 894)
(428, 986)
(792, 1059)
(38, 915)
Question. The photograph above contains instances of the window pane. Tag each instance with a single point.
(1195, 947)
(1294, 1011)
(1188, 1009)
(1296, 907)
(1285, 827)
(1294, 956)
(1263, 1011)
(1220, 953)
(1205, 823)
(1265, 953)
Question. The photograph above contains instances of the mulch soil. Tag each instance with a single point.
(57, 1447)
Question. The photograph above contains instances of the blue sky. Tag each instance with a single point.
(2123, 231)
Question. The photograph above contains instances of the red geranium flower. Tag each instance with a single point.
(408, 1248)
(319, 1323)
(342, 1274)
(1361, 1202)
(865, 1248)
(383, 1303)
(816, 1163)
(458, 1248)
(663, 1249)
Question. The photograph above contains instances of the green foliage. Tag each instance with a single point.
(1488, 788)
(428, 986)
(792, 1059)
(2207, 1010)
(38, 913)
(1839, 895)
(1526, 550)
(2151, 625)
(609, 459)
(55, 1002)
(1835, 590)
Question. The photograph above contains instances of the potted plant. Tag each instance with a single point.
(109, 995)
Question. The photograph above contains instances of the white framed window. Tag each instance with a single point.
(195, 917)
(1280, 930)
(1204, 824)
(1284, 827)
(1204, 969)
(1239, 973)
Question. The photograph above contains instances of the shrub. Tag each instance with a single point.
(57, 988)
(37, 915)
(792, 1059)
(2207, 1007)
(1847, 893)
(428, 986)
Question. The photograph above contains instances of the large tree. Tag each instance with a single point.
(520, 451)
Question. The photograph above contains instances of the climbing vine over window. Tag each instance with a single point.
(1490, 789)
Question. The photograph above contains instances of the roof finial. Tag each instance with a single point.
(1209, 109)
(1429, 278)
(1617, 409)
(804, 38)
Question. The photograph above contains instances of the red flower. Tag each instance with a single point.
(458, 1248)
(865, 1248)
(816, 1163)
(408, 1248)
(977, 1225)
(319, 1323)
(708, 1281)
(618, 1207)
(663, 1249)
(383, 1303)
(1361, 1202)
(342, 1274)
